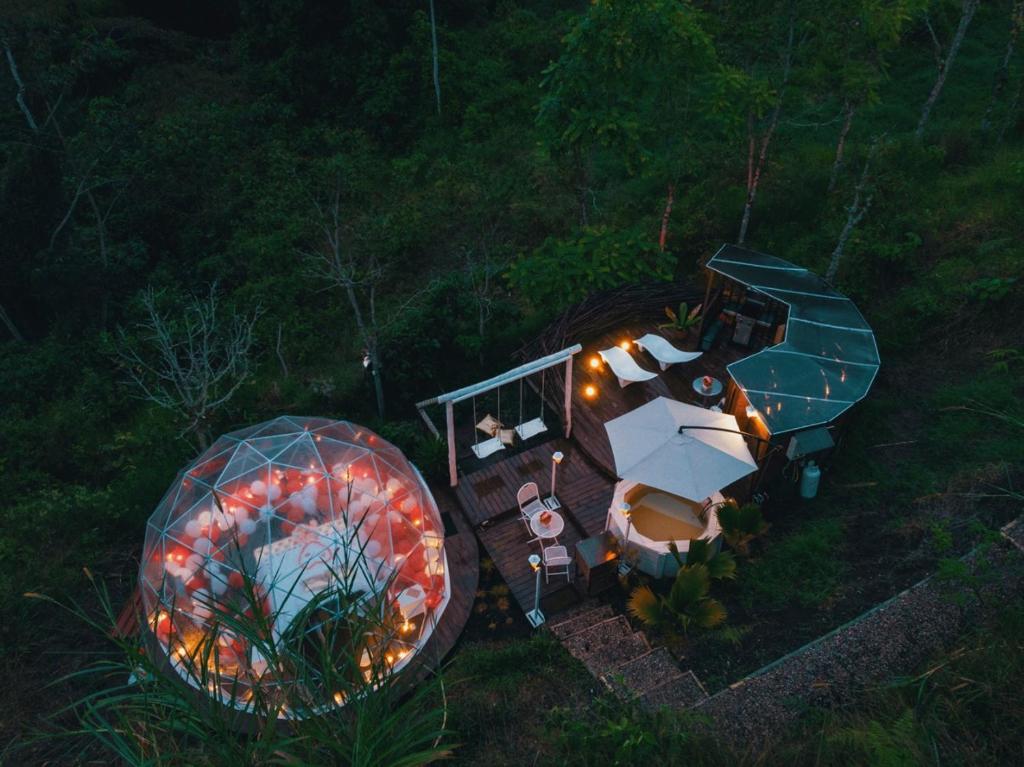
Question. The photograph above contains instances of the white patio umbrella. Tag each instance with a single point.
(649, 448)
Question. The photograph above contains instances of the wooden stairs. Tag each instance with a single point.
(623, 659)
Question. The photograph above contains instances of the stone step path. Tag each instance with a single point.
(623, 659)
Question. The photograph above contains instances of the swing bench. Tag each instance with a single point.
(498, 436)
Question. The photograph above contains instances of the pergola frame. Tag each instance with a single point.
(509, 376)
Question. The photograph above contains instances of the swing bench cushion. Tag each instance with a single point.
(499, 437)
(489, 425)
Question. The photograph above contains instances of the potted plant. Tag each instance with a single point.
(682, 323)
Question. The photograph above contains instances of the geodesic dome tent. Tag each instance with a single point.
(291, 509)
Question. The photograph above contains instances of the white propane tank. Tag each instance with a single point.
(809, 480)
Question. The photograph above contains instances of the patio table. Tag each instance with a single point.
(707, 393)
(552, 529)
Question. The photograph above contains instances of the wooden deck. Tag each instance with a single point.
(488, 498)
(487, 489)
(463, 557)
(612, 400)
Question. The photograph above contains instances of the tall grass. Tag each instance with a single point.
(330, 699)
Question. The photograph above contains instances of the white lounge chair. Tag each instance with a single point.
(625, 367)
(664, 352)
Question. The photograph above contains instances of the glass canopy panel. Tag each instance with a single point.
(841, 314)
(787, 413)
(830, 343)
(802, 376)
(828, 358)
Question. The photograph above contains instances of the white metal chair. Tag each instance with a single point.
(625, 367)
(530, 503)
(557, 562)
(664, 352)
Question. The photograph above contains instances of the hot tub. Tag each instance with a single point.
(658, 518)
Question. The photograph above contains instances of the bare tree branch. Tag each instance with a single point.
(190, 367)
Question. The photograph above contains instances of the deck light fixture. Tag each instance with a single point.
(627, 512)
(624, 344)
(595, 362)
(535, 616)
(556, 458)
(590, 391)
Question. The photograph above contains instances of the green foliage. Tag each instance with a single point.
(741, 525)
(561, 272)
(154, 718)
(688, 604)
(630, 734)
(639, 79)
(802, 568)
(682, 320)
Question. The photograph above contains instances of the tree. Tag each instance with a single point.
(1003, 72)
(757, 144)
(435, 72)
(358, 273)
(191, 365)
(862, 197)
(945, 62)
(849, 46)
(637, 83)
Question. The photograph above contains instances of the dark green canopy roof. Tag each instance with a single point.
(828, 359)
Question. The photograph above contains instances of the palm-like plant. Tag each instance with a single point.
(688, 604)
(685, 319)
(740, 525)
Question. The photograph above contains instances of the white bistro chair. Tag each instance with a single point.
(557, 562)
(530, 503)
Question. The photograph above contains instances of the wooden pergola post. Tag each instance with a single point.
(567, 406)
(449, 416)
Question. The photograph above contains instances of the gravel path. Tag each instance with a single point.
(889, 640)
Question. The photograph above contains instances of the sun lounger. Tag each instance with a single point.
(625, 367)
(664, 352)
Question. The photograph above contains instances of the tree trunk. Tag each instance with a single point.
(369, 337)
(854, 214)
(280, 351)
(378, 383)
(663, 236)
(1003, 73)
(20, 95)
(754, 171)
(436, 68)
(841, 145)
(1011, 113)
(967, 13)
(11, 327)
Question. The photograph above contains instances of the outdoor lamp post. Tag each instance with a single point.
(556, 458)
(535, 616)
(627, 512)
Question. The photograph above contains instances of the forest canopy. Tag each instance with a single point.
(351, 206)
